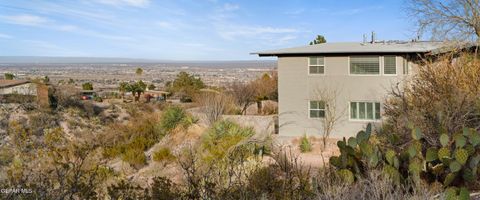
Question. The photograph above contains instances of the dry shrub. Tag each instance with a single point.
(65, 97)
(214, 105)
(270, 109)
(374, 186)
(243, 95)
(138, 109)
(441, 97)
(163, 154)
(39, 121)
(17, 98)
(54, 168)
(132, 139)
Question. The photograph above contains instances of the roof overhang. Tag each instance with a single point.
(351, 48)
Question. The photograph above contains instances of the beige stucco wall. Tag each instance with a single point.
(297, 87)
(24, 89)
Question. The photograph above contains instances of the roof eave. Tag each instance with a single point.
(269, 54)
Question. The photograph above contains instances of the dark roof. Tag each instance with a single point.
(359, 48)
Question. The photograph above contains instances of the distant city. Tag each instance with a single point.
(107, 73)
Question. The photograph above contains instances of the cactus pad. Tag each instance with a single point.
(392, 173)
(346, 175)
(449, 179)
(431, 155)
(461, 155)
(390, 156)
(460, 141)
(444, 140)
(443, 152)
(455, 166)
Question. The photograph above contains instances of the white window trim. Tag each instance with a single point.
(379, 65)
(383, 66)
(308, 106)
(363, 120)
(324, 68)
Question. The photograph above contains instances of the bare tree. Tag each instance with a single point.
(266, 88)
(333, 113)
(243, 95)
(441, 97)
(449, 19)
(214, 105)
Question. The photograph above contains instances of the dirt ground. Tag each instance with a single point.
(318, 157)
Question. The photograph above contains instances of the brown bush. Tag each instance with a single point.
(214, 105)
(443, 96)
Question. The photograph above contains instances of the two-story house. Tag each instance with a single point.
(356, 76)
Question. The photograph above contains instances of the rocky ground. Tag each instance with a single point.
(75, 124)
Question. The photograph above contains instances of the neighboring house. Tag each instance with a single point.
(22, 87)
(361, 75)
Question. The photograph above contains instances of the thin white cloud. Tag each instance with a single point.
(355, 11)
(134, 3)
(43, 48)
(295, 12)
(165, 25)
(91, 33)
(193, 44)
(66, 28)
(230, 7)
(231, 32)
(96, 14)
(42, 22)
(286, 39)
(25, 19)
(5, 36)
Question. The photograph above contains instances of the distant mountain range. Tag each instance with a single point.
(101, 60)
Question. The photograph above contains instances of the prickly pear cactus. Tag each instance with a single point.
(356, 154)
(455, 162)
(346, 175)
(454, 193)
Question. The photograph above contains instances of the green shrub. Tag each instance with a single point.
(98, 99)
(163, 154)
(171, 117)
(222, 136)
(305, 144)
(188, 121)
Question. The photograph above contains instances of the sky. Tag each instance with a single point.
(190, 29)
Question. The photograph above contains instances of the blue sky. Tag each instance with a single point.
(189, 29)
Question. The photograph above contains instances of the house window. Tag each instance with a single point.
(365, 110)
(365, 65)
(317, 109)
(389, 65)
(316, 65)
